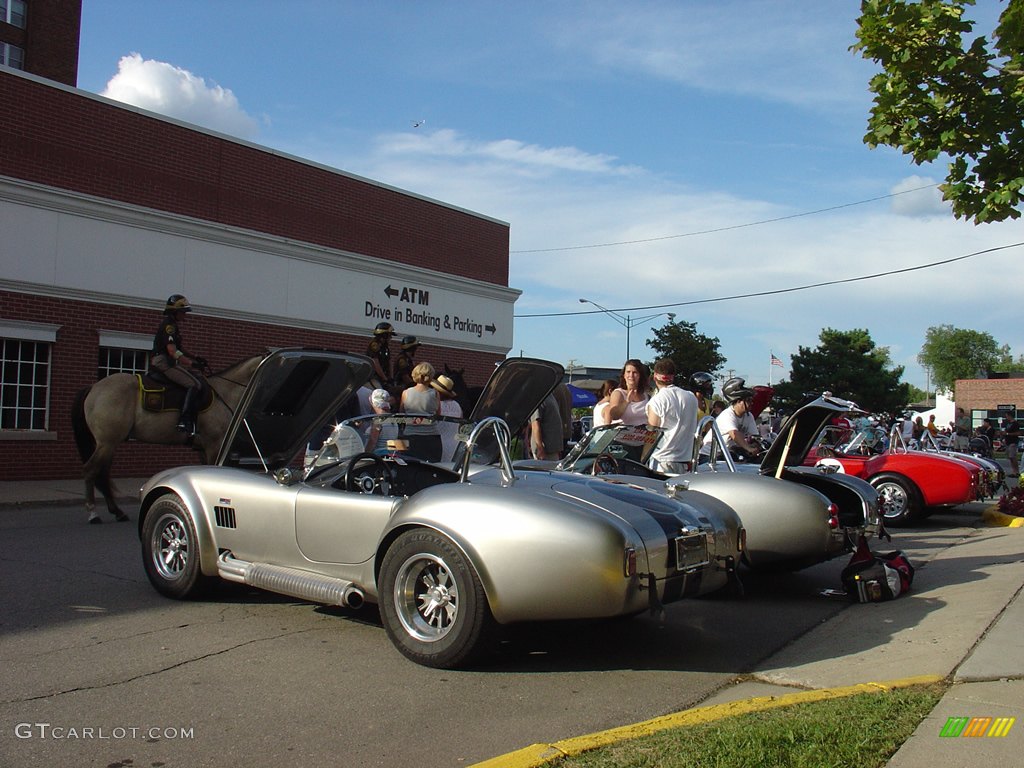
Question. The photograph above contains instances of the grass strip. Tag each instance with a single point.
(862, 730)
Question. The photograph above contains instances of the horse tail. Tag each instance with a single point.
(84, 439)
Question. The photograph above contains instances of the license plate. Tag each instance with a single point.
(691, 551)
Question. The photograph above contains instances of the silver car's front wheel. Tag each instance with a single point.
(170, 552)
(432, 603)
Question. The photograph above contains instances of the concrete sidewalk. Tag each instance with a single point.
(24, 493)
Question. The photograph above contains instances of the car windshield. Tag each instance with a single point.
(434, 439)
(620, 441)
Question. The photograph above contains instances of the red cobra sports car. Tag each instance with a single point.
(908, 482)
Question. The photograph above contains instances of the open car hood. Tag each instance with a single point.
(799, 432)
(515, 390)
(292, 393)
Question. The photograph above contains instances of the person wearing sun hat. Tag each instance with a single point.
(450, 408)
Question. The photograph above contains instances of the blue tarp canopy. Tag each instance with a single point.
(581, 398)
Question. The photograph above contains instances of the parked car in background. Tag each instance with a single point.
(909, 482)
(449, 551)
(793, 516)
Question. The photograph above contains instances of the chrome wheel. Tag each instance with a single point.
(432, 603)
(426, 597)
(171, 551)
(898, 499)
(171, 547)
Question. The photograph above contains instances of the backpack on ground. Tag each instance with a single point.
(872, 577)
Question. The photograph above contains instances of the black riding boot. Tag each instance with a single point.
(187, 419)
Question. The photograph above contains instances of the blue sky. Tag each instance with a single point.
(645, 154)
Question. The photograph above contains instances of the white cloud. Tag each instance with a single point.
(175, 92)
(509, 153)
(918, 196)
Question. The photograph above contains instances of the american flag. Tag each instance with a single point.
(776, 361)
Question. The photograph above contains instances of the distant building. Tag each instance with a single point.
(41, 37)
(992, 398)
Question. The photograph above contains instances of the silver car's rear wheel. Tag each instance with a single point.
(431, 601)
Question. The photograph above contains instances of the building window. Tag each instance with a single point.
(120, 360)
(24, 384)
(122, 352)
(12, 56)
(13, 12)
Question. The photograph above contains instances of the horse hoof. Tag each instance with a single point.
(122, 518)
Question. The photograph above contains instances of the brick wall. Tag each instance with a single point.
(63, 139)
(74, 362)
(986, 394)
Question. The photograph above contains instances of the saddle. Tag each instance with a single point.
(158, 393)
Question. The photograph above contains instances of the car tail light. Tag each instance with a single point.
(833, 516)
(741, 540)
(629, 562)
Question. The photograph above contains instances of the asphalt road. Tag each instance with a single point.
(97, 669)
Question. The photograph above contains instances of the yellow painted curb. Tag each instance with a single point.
(536, 755)
(993, 516)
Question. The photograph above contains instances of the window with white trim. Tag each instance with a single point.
(13, 12)
(123, 353)
(12, 56)
(25, 350)
(24, 384)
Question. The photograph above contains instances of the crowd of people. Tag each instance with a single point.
(653, 398)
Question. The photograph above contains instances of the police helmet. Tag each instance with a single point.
(736, 389)
(177, 303)
(383, 328)
(410, 342)
(702, 382)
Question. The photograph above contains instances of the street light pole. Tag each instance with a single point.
(626, 321)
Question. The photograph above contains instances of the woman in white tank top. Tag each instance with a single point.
(628, 403)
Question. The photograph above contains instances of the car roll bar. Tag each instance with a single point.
(717, 444)
(502, 436)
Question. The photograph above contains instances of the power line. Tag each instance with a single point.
(782, 290)
(728, 228)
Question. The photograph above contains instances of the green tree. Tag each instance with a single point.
(943, 91)
(849, 365)
(957, 353)
(690, 351)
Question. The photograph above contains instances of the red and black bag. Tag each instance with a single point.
(871, 577)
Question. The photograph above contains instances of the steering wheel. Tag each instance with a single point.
(368, 479)
(605, 464)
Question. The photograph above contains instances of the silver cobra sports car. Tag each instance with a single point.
(449, 551)
(793, 516)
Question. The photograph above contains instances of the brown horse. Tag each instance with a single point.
(110, 412)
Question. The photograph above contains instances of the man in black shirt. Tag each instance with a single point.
(1011, 435)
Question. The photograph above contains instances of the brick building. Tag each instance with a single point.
(991, 398)
(105, 210)
(41, 37)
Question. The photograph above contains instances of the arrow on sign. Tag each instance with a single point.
(491, 328)
(389, 291)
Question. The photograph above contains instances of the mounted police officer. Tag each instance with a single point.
(406, 362)
(170, 359)
(379, 351)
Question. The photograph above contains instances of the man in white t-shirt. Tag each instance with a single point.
(675, 410)
(736, 423)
